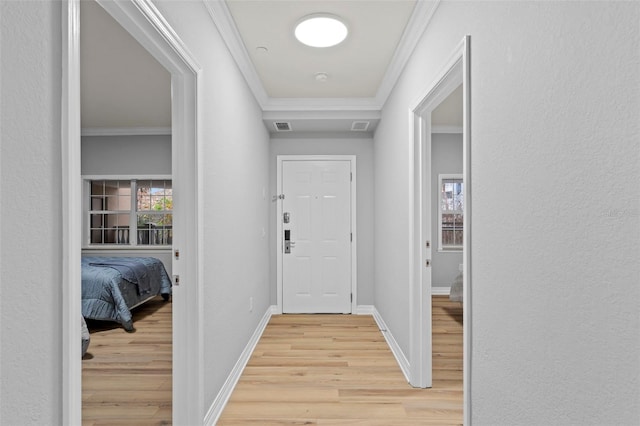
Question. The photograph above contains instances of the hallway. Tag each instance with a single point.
(338, 369)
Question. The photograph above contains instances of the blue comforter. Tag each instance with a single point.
(108, 295)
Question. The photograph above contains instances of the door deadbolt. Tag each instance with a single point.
(285, 217)
(287, 241)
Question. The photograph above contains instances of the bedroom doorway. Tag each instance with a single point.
(126, 165)
(442, 212)
(144, 23)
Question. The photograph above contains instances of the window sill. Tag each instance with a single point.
(450, 250)
(121, 247)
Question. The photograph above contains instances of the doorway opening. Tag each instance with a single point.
(454, 226)
(127, 213)
(142, 21)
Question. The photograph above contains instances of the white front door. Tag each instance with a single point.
(316, 240)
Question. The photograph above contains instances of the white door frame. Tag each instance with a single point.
(279, 243)
(143, 21)
(455, 72)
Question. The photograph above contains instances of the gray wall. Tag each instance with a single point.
(555, 89)
(126, 155)
(446, 157)
(363, 150)
(30, 214)
(235, 160)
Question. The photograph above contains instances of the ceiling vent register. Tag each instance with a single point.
(282, 126)
(359, 126)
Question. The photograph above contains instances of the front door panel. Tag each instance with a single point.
(316, 270)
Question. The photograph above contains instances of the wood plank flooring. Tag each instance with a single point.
(126, 377)
(310, 369)
(338, 370)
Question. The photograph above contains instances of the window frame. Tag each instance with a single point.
(133, 213)
(454, 248)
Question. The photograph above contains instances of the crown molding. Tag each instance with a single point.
(222, 19)
(322, 104)
(418, 22)
(125, 131)
(321, 135)
(417, 25)
(323, 114)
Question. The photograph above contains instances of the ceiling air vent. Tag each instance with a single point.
(282, 126)
(359, 126)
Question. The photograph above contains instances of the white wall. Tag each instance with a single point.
(363, 150)
(235, 159)
(446, 158)
(555, 105)
(126, 155)
(30, 214)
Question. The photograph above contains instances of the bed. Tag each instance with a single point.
(455, 294)
(112, 286)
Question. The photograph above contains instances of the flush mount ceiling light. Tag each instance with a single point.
(321, 30)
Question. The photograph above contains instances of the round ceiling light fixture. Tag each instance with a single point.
(321, 30)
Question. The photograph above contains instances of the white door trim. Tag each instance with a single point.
(455, 72)
(71, 215)
(143, 21)
(354, 227)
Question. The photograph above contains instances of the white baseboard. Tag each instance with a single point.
(393, 345)
(214, 412)
(365, 310)
(440, 291)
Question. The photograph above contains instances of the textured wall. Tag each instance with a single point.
(555, 135)
(235, 194)
(30, 213)
(126, 155)
(363, 150)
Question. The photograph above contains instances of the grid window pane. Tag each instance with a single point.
(154, 195)
(111, 195)
(109, 228)
(451, 216)
(111, 212)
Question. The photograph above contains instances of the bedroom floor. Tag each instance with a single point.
(126, 377)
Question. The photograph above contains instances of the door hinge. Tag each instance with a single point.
(351, 297)
(351, 236)
(351, 176)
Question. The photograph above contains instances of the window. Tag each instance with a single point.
(450, 216)
(131, 212)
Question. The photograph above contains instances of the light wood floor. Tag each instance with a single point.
(126, 377)
(312, 369)
(338, 370)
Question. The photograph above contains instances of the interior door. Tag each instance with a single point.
(316, 257)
